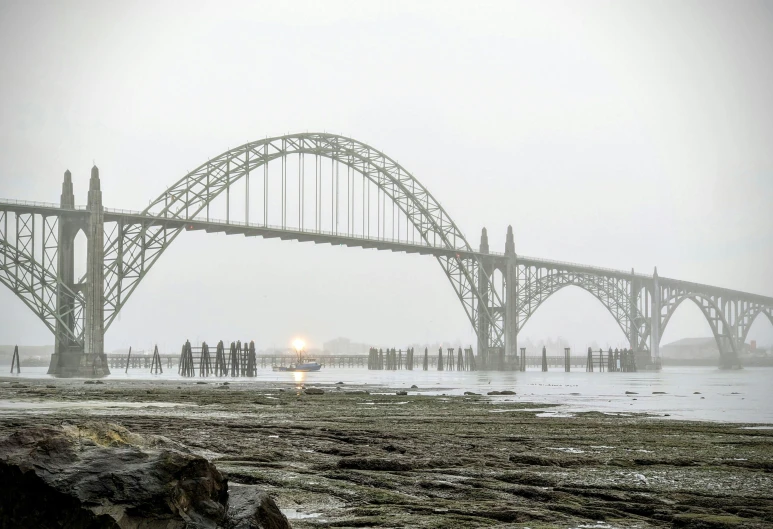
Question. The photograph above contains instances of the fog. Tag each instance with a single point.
(623, 135)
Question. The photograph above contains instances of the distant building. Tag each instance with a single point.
(691, 349)
(703, 348)
(344, 346)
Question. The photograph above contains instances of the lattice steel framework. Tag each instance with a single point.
(132, 250)
(625, 297)
(28, 267)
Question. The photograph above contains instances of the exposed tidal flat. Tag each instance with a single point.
(363, 456)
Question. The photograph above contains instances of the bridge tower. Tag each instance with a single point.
(483, 301)
(511, 297)
(95, 276)
(71, 358)
(655, 321)
(67, 229)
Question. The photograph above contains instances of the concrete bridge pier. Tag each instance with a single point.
(72, 359)
(655, 321)
(483, 301)
(511, 298)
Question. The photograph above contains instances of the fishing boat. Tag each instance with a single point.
(302, 363)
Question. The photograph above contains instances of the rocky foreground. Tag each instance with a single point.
(346, 458)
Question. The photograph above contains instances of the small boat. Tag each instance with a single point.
(309, 365)
(301, 363)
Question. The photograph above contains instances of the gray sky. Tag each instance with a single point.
(618, 134)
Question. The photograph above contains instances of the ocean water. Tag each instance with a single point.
(691, 393)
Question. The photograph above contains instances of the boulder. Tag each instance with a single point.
(314, 391)
(100, 475)
(252, 508)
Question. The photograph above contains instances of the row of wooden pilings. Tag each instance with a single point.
(615, 361)
(396, 359)
(465, 360)
(154, 362)
(241, 360)
(623, 361)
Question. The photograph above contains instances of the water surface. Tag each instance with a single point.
(695, 393)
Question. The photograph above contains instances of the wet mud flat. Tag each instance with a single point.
(347, 458)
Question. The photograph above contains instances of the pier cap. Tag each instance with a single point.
(94, 181)
(510, 242)
(484, 241)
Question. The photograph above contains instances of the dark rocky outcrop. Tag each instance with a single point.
(101, 475)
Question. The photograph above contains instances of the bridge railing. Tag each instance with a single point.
(34, 204)
(553, 262)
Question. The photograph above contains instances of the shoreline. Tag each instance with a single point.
(347, 458)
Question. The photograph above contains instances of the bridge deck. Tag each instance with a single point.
(342, 239)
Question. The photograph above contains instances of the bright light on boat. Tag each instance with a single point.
(298, 344)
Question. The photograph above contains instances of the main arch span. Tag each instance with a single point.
(323, 188)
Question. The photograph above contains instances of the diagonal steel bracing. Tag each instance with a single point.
(28, 267)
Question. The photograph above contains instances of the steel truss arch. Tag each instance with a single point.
(535, 288)
(131, 250)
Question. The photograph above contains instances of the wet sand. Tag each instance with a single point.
(347, 458)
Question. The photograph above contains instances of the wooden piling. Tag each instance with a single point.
(233, 361)
(15, 360)
(155, 365)
(252, 364)
(187, 368)
(589, 361)
(221, 367)
(205, 363)
(127, 360)
(544, 358)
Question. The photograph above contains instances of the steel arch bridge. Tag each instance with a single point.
(322, 188)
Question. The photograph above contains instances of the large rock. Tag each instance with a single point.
(103, 476)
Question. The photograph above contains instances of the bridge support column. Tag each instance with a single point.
(483, 301)
(71, 359)
(655, 321)
(511, 298)
(641, 354)
(64, 346)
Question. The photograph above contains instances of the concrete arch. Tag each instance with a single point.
(191, 194)
(753, 314)
(722, 331)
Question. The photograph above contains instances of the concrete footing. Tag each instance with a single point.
(78, 364)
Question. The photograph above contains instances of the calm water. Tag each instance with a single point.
(737, 396)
